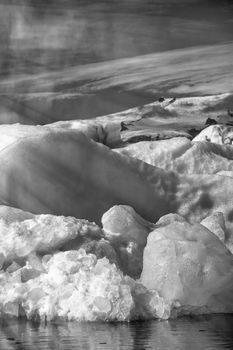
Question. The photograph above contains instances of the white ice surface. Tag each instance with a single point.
(40, 282)
(63, 266)
(190, 267)
(47, 272)
(220, 134)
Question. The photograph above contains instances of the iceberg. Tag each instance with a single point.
(190, 268)
(91, 232)
(48, 273)
(70, 284)
(127, 231)
(45, 171)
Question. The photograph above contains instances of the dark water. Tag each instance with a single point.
(212, 332)
(40, 38)
(39, 35)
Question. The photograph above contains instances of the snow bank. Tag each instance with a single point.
(182, 156)
(63, 172)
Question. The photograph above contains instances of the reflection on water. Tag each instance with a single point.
(206, 332)
(49, 35)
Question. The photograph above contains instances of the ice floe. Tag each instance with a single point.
(186, 268)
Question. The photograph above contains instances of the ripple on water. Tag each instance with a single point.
(204, 332)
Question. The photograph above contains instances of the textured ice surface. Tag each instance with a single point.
(190, 267)
(216, 224)
(56, 267)
(183, 156)
(47, 271)
(9, 214)
(61, 171)
(127, 232)
(100, 130)
(73, 285)
(42, 234)
(220, 134)
(66, 267)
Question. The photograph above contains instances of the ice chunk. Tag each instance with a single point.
(127, 232)
(188, 264)
(43, 234)
(216, 224)
(35, 294)
(2, 259)
(124, 219)
(167, 219)
(34, 261)
(220, 134)
(78, 286)
(28, 273)
(102, 304)
(101, 249)
(13, 267)
(11, 309)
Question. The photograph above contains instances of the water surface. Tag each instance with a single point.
(58, 49)
(203, 332)
(49, 35)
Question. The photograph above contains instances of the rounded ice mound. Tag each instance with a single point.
(127, 231)
(60, 171)
(124, 219)
(220, 134)
(78, 286)
(190, 267)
